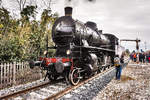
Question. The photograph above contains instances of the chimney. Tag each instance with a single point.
(68, 11)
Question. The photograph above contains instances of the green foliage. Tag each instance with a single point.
(10, 49)
(24, 39)
(28, 12)
(4, 21)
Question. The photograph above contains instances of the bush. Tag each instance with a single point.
(22, 39)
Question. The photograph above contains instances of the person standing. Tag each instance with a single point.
(134, 57)
(149, 57)
(118, 67)
(140, 57)
(122, 59)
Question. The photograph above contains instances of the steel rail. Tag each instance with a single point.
(27, 90)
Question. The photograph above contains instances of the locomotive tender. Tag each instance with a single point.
(81, 50)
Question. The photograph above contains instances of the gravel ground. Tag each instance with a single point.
(134, 85)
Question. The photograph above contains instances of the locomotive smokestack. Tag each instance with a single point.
(68, 11)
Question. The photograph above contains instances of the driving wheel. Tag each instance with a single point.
(74, 76)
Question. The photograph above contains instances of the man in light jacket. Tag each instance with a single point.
(118, 67)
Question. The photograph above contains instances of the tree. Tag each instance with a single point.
(4, 20)
(47, 20)
(47, 3)
(0, 3)
(24, 39)
(29, 11)
(21, 4)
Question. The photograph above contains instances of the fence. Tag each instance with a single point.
(16, 73)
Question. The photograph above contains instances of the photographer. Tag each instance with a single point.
(117, 63)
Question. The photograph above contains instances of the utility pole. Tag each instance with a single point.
(145, 45)
(136, 40)
(0, 3)
(137, 44)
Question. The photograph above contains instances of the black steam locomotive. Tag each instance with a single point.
(81, 50)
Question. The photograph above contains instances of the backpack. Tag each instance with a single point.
(116, 61)
(134, 56)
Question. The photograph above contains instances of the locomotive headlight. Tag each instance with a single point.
(68, 52)
(45, 52)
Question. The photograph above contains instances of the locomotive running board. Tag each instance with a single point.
(98, 48)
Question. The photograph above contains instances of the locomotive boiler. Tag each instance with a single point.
(81, 50)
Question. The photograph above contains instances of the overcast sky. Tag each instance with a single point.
(127, 19)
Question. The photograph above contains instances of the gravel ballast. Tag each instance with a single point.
(89, 90)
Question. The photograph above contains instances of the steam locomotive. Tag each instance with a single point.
(81, 50)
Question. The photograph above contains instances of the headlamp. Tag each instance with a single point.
(45, 52)
(68, 52)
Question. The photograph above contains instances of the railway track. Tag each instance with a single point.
(69, 89)
(10, 95)
(49, 91)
